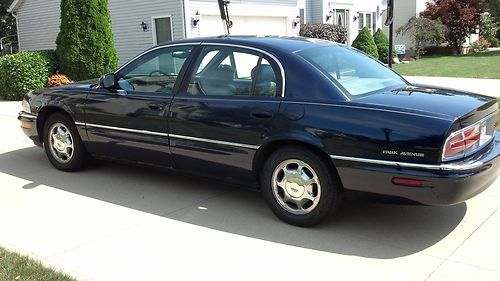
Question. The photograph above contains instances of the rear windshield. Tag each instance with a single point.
(358, 74)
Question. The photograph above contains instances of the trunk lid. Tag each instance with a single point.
(464, 107)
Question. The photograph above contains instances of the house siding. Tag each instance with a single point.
(317, 13)
(38, 24)
(39, 19)
(404, 10)
(127, 16)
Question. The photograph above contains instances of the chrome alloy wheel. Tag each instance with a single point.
(61, 143)
(296, 187)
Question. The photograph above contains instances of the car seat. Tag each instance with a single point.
(265, 80)
(219, 81)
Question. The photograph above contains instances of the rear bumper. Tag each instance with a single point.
(28, 125)
(444, 184)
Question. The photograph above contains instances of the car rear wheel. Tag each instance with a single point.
(63, 145)
(300, 188)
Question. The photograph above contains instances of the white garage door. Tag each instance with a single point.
(244, 25)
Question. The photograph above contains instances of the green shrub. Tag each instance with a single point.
(24, 72)
(382, 44)
(494, 42)
(330, 32)
(423, 32)
(364, 42)
(488, 27)
(85, 44)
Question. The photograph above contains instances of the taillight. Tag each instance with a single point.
(466, 141)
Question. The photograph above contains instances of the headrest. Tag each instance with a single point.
(266, 74)
(223, 73)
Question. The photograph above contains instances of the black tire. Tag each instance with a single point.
(79, 156)
(331, 191)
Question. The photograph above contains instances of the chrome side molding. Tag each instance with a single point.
(435, 167)
(146, 132)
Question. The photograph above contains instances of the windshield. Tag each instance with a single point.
(356, 72)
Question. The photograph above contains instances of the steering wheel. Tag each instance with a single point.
(161, 73)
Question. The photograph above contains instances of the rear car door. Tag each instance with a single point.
(227, 108)
(130, 123)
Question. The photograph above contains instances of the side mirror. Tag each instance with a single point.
(108, 81)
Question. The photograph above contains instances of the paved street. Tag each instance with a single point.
(118, 222)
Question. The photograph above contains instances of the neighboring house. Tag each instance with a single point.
(138, 25)
(403, 11)
(351, 14)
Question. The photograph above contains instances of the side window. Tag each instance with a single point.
(154, 72)
(245, 64)
(206, 59)
(225, 71)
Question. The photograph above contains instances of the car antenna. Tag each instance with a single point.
(224, 15)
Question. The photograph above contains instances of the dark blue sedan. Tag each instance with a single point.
(301, 119)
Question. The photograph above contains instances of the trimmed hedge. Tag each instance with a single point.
(85, 44)
(382, 43)
(324, 31)
(364, 42)
(24, 72)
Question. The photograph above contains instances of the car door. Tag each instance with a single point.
(130, 122)
(227, 108)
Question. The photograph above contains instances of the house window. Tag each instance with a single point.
(339, 17)
(365, 20)
(162, 30)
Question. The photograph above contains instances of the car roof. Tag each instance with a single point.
(280, 43)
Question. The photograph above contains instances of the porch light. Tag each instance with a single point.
(144, 26)
(296, 22)
(329, 15)
(356, 16)
(196, 19)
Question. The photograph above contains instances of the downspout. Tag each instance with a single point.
(17, 28)
(185, 18)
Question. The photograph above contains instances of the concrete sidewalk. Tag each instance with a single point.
(116, 222)
(489, 87)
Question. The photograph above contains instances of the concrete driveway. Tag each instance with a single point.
(117, 222)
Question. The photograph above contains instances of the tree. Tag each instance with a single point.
(493, 7)
(7, 21)
(461, 18)
(382, 44)
(85, 46)
(364, 42)
(423, 31)
(488, 28)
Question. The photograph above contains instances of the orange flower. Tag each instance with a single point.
(58, 80)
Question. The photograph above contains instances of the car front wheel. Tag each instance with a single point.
(300, 188)
(63, 145)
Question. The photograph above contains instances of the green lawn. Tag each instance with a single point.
(479, 65)
(15, 267)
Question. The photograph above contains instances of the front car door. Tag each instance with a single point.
(130, 123)
(227, 108)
